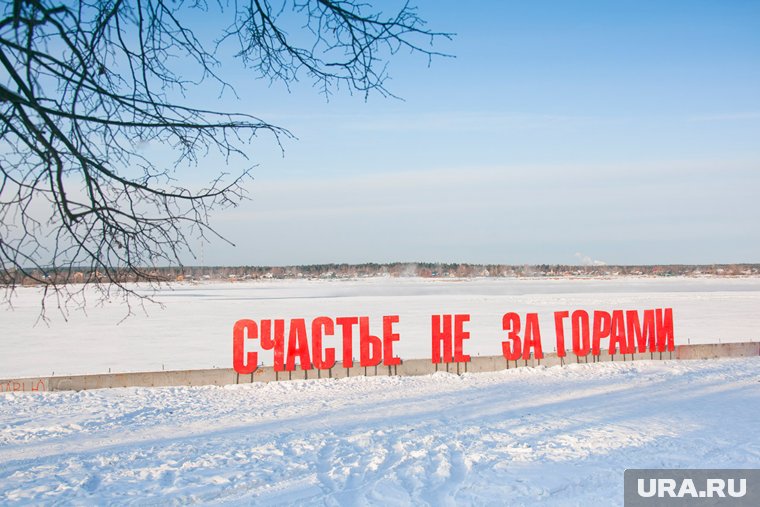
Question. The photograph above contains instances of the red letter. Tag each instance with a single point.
(278, 343)
(442, 336)
(617, 333)
(559, 327)
(581, 341)
(665, 330)
(459, 335)
(347, 323)
(642, 334)
(511, 323)
(298, 344)
(388, 338)
(601, 330)
(328, 361)
(370, 347)
(244, 363)
(532, 337)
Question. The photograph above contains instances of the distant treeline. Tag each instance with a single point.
(395, 269)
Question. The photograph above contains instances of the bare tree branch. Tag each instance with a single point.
(85, 84)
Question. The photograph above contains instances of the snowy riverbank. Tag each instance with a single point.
(562, 434)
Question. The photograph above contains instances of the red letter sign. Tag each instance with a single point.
(511, 323)
(241, 362)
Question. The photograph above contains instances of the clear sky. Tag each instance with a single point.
(563, 131)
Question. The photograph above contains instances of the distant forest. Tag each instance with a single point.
(395, 269)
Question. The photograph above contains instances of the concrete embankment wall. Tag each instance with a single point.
(221, 377)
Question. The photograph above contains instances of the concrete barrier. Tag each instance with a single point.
(225, 376)
(712, 350)
(414, 367)
(486, 363)
(550, 359)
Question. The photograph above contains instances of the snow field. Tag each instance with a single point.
(194, 329)
(560, 435)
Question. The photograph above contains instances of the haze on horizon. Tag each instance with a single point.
(621, 132)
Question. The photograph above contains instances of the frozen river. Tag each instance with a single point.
(194, 328)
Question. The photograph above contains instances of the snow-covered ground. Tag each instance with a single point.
(560, 435)
(194, 330)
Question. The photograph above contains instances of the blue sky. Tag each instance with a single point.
(626, 132)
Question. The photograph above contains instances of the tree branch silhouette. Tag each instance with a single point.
(85, 84)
